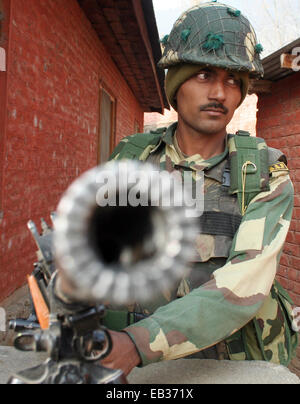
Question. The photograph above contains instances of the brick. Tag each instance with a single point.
(291, 237)
(296, 288)
(295, 264)
(297, 201)
(283, 105)
(285, 283)
(52, 119)
(294, 164)
(292, 249)
(294, 225)
(283, 270)
(293, 274)
(296, 184)
(296, 298)
(294, 152)
(278, 143)
(285, 260)
(296, 213)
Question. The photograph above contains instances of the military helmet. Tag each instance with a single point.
(213, 34)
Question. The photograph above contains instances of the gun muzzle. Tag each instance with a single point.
(122, 234)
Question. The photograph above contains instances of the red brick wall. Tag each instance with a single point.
(50, 136)
(4, 27)
(279, 123)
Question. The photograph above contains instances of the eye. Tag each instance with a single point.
(204, 75)
(233, 81)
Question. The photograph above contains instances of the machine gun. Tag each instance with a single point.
(114, 241)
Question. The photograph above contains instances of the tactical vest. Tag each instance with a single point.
(230, 187)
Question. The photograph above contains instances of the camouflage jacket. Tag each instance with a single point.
(231, 295)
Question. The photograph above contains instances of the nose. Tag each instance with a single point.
(217, 91)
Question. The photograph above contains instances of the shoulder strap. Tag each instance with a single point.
(136, 147)
(249, 167)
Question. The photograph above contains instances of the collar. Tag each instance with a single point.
(212, 167)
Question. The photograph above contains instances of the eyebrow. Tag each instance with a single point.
(206, 69)
(212, 70)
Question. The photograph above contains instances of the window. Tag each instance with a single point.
(107, 125)
(2, 60)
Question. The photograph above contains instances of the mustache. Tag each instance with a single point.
(215, 105)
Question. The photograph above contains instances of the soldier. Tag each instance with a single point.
(230, 307)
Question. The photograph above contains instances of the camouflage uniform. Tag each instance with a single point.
(230, 301)
(231, 294)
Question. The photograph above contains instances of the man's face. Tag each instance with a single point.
(206, 102)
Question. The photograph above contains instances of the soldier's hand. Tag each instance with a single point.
(124, 354)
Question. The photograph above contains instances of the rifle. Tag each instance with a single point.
(105, 248)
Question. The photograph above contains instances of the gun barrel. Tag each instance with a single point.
(122, 234)
(21, 325)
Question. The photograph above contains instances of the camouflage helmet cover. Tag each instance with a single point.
(213, 34)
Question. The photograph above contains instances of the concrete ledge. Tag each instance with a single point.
(183, 371)
(13, 361)
(196, 371)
